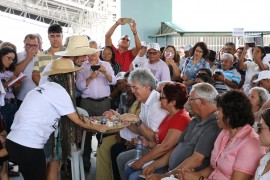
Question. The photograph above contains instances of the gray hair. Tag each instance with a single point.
(205, 91)
(143, 76)
(32, 36)
(227, 56)
(263, 94)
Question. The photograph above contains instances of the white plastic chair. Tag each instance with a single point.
(76, 158)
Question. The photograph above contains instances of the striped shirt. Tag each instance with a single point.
(231, 75)
(42, 59)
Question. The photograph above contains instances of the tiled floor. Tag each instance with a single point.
(88, 176)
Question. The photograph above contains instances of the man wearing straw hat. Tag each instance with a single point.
(38, 117)
(77, 50)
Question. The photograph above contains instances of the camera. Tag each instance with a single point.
(95, 67)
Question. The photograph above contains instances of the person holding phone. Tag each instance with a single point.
(123, 55)
(172, 59)
(94, 82)
(253, 67)
(227, 77)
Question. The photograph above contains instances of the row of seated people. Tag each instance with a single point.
(178, 146)
(197, 55)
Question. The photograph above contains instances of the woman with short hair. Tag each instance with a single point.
(237, 149)
(257, 96)
(173, 96)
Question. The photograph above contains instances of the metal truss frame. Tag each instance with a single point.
(76, 14)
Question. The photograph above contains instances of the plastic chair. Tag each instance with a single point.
(77, 168)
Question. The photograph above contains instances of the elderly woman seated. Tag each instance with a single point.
(257, 96)
(173, 96)
(237, 149)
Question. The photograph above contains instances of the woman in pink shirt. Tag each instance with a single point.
(237, 149)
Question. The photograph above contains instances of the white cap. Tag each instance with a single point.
(144, 43)
(187, 47)
(154, 46)
(263, 75)
(120, 76)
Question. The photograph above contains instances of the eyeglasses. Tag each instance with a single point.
(124, 39)
(106, 53)
(11, 59)
(260, 128)
(152, 53)
(191, 99)
(31, 45)
(162, 97)
(134, 88)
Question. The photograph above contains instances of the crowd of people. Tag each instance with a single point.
(199, 114)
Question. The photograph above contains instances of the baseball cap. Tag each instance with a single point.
(154, 46)
(120, 76)
(263, 75)
(125, 36)
(144, 43)
(187, 47)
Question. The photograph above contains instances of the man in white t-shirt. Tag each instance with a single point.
(25, 64)
(158, 67)
(140, 59)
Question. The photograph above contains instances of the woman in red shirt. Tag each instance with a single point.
(172, 97)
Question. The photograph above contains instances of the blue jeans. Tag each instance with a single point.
(8, 111)
(132, 174)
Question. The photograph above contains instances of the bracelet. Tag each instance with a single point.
(116, 23)
(138, 123)
(134, 34)
(201, 178)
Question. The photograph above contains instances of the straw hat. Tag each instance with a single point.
(61, 66)
(77, 46)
